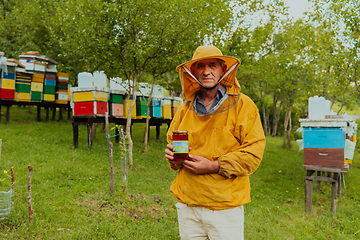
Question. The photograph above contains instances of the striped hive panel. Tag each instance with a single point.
(8, 83)
(62, 80)
(50, 76)
(36, 86)
(62, 74)
(61, 91)
(50, 82)
(36, 79)
(63, 86)
(20, 81)
(49, 97)
(22, 97)
(23, 88)
(39, 75)
(7, 94)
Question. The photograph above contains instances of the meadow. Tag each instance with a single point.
(71, 197)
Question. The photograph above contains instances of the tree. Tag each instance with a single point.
(123, 37)
(339, 47)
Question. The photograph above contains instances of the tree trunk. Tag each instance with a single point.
(276, 117)
(128, 122)
(111, 184)
(31, 210)
(146, 135)
(286, 123)
(265, 111)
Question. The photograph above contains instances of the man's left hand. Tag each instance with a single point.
(201, 165)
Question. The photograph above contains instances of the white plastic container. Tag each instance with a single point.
(99, 79)
(115, 84)
(85, 79)
(318, 107)
(349, 149)
(158, 91)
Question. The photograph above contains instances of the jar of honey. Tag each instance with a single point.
(180, 145)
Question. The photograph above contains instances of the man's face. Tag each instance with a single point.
(208, 71)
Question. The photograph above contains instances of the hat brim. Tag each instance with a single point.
(229, 61)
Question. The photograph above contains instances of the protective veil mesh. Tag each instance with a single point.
(191, 85)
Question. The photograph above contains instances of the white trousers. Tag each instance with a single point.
(203, 223)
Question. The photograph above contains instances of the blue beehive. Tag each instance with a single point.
(329, 137)
(155, 107)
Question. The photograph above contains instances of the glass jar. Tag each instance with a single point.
(180, 145)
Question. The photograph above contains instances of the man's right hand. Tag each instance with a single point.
(169, 155)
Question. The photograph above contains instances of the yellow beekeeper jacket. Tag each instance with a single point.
(234, 137)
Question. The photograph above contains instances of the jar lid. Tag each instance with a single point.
(183, 132)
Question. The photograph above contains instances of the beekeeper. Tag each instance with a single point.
(226, 142)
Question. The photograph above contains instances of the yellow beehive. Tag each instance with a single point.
(49, 97)
(22, 97)
(37, 86)
(58, 101)
(166, 107)
(61, 74)
(83, 96)
(8, 84)
(90, 96)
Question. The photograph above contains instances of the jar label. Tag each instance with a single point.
(181, 146)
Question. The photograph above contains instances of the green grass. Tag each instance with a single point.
(71, 197)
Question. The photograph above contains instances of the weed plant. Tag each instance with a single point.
(72, 200)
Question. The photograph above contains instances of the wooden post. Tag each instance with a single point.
(334, 192)
(7, 114)
(38, 115)
(31, 211)
(90, 137)
(60, 113)
(158, 132)
(111, 184)
(318, 173)
(308, 192)
(12, 185)
(75, 134)
(69, 112)
(47, 113)
(53, 113)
